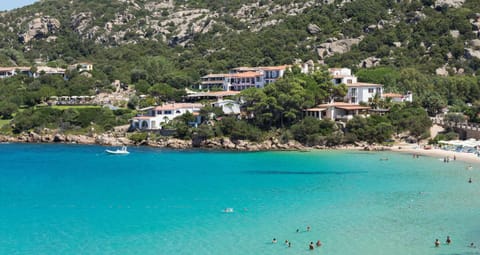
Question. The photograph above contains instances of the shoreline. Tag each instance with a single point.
(437, 153)
(225, 144)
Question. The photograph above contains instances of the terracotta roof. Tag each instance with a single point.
(245, 75)
(345, 106)
(364, 84)
(215, 94)
(354, 107)
(392, 95)
(175, 106)
(315, 109)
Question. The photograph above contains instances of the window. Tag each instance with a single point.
(349, 81)
(370, 90)
(167, 112)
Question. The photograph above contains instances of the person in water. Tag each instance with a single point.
(311, 247)
(289, 244)
(448, 241)
(274, 240)
(319, 243)
(470, 180)
(308, 228)
(472, 245)
(437, 243)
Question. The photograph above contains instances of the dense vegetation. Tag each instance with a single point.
(411, 39)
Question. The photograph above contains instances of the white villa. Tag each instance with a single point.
(336, 111)
(241, 78)
(357, 91)
(82, 67)
(156, 116)
(6, 72)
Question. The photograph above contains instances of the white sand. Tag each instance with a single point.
(437, 153)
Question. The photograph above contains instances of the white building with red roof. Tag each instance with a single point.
(357, 92)
(156, 116)
(241, 78)
(337, 111)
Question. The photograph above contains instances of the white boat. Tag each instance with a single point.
(123, 150)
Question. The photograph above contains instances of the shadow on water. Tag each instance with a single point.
(271, 172)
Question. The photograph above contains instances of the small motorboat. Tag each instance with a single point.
(121, 151)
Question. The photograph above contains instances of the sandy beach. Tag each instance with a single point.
(437, 153)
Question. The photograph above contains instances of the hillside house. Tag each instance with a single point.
(337, 111)
(6, 72)
(156, 116)
(357, 92)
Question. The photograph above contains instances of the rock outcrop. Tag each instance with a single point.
(333, 46)
(313, 29)
(40, 28)
(449, 3)
(369, 62)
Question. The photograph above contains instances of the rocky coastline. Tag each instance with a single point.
(224, 143)
(119, 139)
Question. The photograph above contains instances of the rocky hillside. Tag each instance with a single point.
(201, 36)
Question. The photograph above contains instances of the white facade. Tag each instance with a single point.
(6, 72)
(163, 114)
(363, 92)
(241, 78)
(337, 111)
(228, 106)
(357, 92)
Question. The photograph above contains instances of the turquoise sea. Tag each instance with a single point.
(69, 199)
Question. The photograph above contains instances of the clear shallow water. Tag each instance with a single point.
(60, 199)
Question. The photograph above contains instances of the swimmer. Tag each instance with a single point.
(274, 240)
(472, 245)
(289, 244)
(311, 247)
(437, 243)
(308, 228)
(470, 180)
(319, 243)
(298, 230)
(286, 241)
(448, 241)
